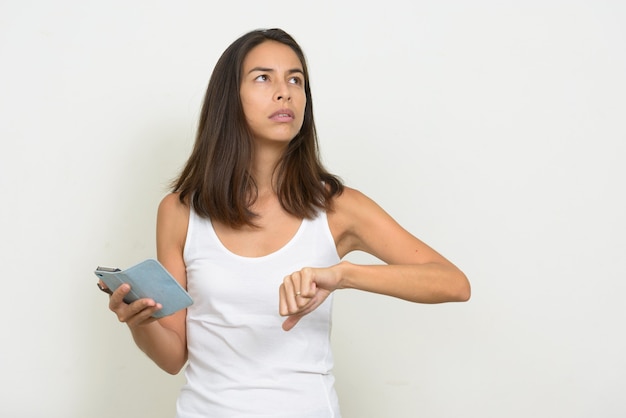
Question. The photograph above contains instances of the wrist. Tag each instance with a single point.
(343, 273)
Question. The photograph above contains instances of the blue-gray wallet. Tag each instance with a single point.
(148, 279)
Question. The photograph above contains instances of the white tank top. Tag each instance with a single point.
(241, 362)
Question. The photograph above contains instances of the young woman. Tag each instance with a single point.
(255, 229)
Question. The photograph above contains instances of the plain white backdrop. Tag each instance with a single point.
(493, 130)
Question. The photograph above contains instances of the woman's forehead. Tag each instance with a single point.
(272, 55)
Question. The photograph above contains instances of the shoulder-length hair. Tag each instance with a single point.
(216, 179)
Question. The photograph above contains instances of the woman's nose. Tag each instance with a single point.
(282, 92)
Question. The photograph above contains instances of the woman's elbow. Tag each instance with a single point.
(171, 364)
(463, 289)
(173, 368)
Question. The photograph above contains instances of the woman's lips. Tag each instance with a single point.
(282, 115)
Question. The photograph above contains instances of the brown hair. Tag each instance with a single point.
(216, 177)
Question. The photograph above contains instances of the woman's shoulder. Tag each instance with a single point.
(171, 203)
(352, 211)
(173, 214)
(351, 202)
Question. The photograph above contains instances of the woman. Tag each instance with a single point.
(255, 229)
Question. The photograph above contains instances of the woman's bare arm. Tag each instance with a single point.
(163, 340)
(412, 271)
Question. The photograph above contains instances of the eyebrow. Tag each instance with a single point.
(269, 70)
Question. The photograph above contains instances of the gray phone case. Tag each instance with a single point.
(148, 279)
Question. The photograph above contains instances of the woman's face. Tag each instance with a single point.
(272, 92)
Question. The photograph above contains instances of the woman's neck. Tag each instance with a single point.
(265, 161)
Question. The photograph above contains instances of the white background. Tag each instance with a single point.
(493, 130)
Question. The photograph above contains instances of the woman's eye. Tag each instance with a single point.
(295, 80)
(262, 77)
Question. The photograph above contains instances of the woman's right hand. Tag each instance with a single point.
(136, 313)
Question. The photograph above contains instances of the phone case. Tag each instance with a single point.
(148, 279)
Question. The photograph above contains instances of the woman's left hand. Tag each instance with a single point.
(303, 291)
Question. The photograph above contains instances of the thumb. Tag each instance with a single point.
(291, 322)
